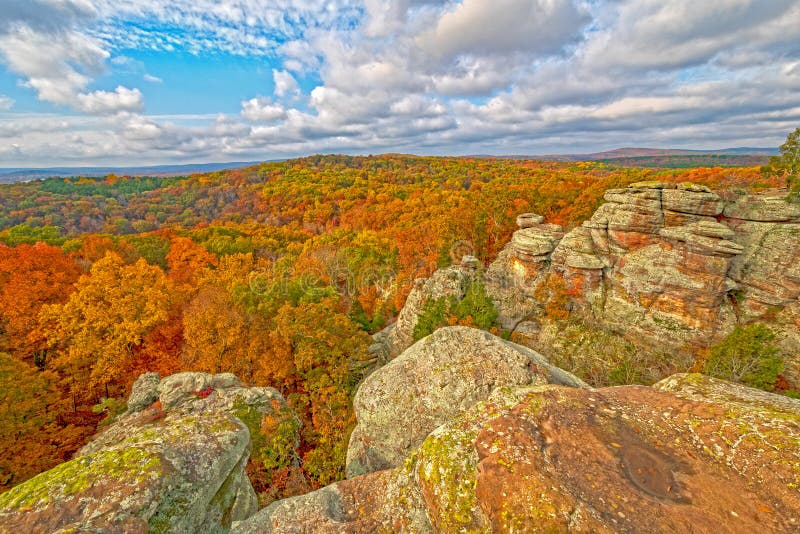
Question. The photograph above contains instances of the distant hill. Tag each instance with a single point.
(11, 175)
(671, 158)
(627, 157)
(632, 152)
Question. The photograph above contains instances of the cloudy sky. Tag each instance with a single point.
(139, 82)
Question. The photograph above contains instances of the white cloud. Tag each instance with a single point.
(105, 102)
(152, 79)
(262, 109)
(446, 76)
(6, 103)
(285, 84)
(681, 33)
(56, 67)
(477, 27)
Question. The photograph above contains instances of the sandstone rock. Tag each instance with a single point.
(697, 188)
(672, 289)
(709, 238)
(644, 198)
(144, 392)
(431, 382)
(766, 207)
(470, 262)
(577, 250)
(654, 262)
(692, 201)
(691, 454)
(450, 282)
(526, 220)
(768, 270)
(535, 243)
(176, 465)
(385, 501)
(651, 184)
(510, 289)
(674, 218)
(632, 217)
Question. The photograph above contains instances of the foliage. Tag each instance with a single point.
(31, 276)
(314, 345)
(433, 316)
(95, 333)
(474, 309)
(787, 164)
(24, 234)
(31, 437)
(24, 450)
(747, 355)
(275, 272)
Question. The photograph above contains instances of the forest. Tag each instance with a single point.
(278, 273)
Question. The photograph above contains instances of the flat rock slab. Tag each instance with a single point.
(690, 454)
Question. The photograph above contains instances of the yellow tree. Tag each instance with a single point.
(97, 331)
(220, 333)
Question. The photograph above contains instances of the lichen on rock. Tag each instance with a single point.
(173, 465)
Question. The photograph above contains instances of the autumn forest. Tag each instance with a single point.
(278, 273)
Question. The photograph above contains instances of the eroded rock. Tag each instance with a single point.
(173, 465)
(437, 378)
(450, 282)
(690, 454)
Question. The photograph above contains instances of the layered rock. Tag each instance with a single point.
(530, 248)
(174, 462)
(520, 268)
(655, 261)
(689, 454)
(437, 378)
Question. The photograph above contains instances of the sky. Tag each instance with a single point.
(144, 82)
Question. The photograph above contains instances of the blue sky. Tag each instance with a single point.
(101, 82)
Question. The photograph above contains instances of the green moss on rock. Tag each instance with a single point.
(127, 466)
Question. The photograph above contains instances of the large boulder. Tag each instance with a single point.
(175, 462)
(384, 501)
(437, 378)
(690, 454)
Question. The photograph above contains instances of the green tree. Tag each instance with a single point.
(787, 164)
(747, 355)
(476, 309)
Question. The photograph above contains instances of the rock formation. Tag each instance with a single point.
(174, 462)
(676, 264)
(450, 282)
(689, 454)
(465, 432)
(434, 380)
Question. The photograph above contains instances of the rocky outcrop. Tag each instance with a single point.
(530, 247)
(437, 378)
(689, 454)
(672, 263)
(520, 267)
(652, 258)
(174, 462)
(450, 282)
